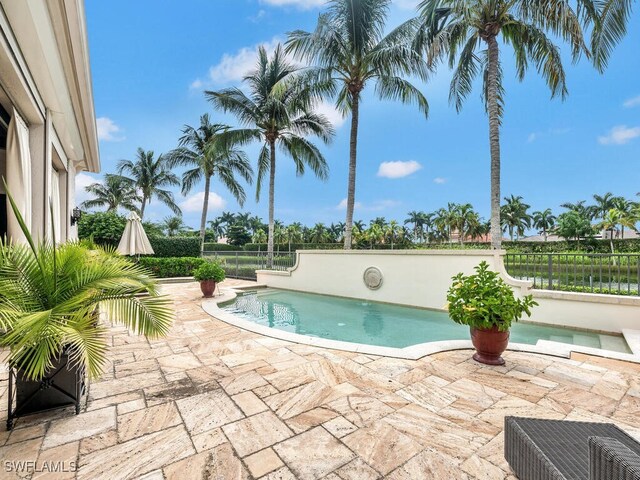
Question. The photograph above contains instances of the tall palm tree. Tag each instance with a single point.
(393, 231)
(173, 225)
(543, 221)
(203, 149)
(294, 233)
(217, 227)
(116, 192)
(514, 216)
(149, 175)
(319, 233)
(467, 33)
(348, 50)
(278, 112)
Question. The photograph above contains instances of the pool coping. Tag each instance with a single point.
(413, 352)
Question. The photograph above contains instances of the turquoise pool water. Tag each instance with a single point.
(373, 323)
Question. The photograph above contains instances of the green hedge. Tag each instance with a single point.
(631, 245)
(254, 247)
(165, 247)
(220, 247)
(172, 267)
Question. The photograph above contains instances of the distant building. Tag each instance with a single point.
(47, 117)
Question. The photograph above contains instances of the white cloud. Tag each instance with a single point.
(632, 102)
(398, 169)
(83, 180)
(619, 135)
(439, 180)
(108, 130)
(329, 110)
(234, 67)
(301, 4)
(376, 206)
(193, 203)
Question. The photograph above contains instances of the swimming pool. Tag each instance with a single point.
(380, 324)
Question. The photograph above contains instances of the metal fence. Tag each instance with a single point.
(243, 265)
(617, 274)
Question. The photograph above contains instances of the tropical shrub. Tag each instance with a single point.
(483, 300)
(172, 266)
(49, 296)
(103, 228)
(175, 246)
(209, 271)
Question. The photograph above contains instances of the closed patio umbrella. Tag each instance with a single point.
(134, 240)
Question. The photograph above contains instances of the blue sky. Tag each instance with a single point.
(151, 61)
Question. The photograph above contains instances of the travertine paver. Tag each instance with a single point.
(214, 401)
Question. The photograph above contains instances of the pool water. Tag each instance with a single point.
(372, 323)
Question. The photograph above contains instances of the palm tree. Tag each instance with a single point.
(603, 204)
(625, 207)
(393, 230)
(465, 217)
(610, 20)
(203, 149)
(417, 219)
(445, 220)
(173, 225)
(278, 112)
(514, 216)
(457, 29)
(374, 234)
(149, 176)
(578, 207)
(319, 233)
(49, 295)
(294, 233)
(349, 50)
(543, 221)
(116, 192)
(217, 227)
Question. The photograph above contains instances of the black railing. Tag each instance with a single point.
(243, 265)
(617, 274)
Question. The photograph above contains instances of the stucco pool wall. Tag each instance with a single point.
(421, 278)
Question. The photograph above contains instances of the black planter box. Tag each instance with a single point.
(62, 386)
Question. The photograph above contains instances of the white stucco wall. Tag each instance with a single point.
(421, 278)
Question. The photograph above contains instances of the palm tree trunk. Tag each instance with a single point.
(494, 140)
(144, 204)
(205, 208)
(272, 181)
(351, 189)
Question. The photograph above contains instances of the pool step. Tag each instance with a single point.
(633, 339)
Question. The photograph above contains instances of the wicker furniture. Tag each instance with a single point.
(538, 449)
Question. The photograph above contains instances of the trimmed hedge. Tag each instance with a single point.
(165, 247)
(220, 247)
(171, 267)
(284, 247)
(631, 245)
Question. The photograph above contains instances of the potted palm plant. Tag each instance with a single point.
(209, 274)
(49, 299)
(485, 303)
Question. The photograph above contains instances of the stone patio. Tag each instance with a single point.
(214, 401)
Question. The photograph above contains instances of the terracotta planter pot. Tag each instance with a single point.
(208, 287)
(489, 344)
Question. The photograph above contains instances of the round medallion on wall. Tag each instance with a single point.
(372, 278)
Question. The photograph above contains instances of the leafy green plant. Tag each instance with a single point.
(103, 228)
(49, 296)
(175, 246)
(209, 271)
(483, 300)
(171, 267)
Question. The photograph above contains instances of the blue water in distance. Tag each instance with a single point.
(372, 323)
